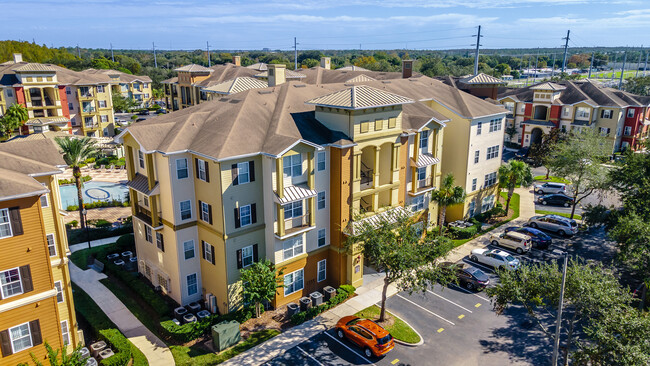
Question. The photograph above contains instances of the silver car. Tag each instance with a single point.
(549, 187)
(558, 224)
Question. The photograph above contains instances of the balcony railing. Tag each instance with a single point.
(367, 176)
(86, 95)
(89, 110)
(425, 183)
(296, 223)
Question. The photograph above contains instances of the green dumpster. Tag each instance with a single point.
(225, 334)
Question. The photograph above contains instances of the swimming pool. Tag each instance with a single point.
(94, 191)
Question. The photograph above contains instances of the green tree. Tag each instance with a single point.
(511, 131)
(578, 159)
(447, 195)
(260, 283)
(13, 118)
(503, 69)
(514, 173)
(122, 103)
(540, 152)
(73, 359)
(75, 152)
(639, 85)
(394, 246)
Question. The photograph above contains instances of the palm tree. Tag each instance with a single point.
(75, 152)
(447, 195)
(13, 118)
(513, 173)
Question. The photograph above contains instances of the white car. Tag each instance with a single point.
(516, 241)
(561, 225)
(548, 188)
(494, 258)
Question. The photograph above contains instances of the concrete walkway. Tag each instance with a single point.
(93, 243)
(368, 294)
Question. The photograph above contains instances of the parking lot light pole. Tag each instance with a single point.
(84, 212)
(556, 343)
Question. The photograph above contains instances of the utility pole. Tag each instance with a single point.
(78, 52)
(528, 75)
(645, 67)
(591, 64)
(155, 61)
(620, 81)
(112, 58)
(638, 63)
(566, 47)
(613, 70)
(553, 67)
(556, 341)
(536, 58)
(207, 46)
(478, 44)
(295, 54)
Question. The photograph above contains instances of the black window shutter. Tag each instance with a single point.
(210, 213)
(240, 262)
(16, 223)
(203, 249)
(196, 167)
(602, 113)
(5, 343)
(162, 242)
(35, 329)
(200, 210)
(26, 278)
(212, 253)
(207, 171)
(237, 221)
(253, 214)
(251, 170)
(255, 253)
(234, 172)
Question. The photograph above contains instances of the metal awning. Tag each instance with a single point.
(42, 121)
(425, 160)
(391, 216)
(295, 193)
(141, 184)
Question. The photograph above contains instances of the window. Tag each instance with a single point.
(509, 106)
(21, 337)
(243, 175)
(321, 237)
(392, 122)
(89, 121)
(10, 282)
(103, 118)
(379, 124)
(492, 152)
(321, 200)
(5, 223)
(320, 165)
(147, 234)
(208, 252)
(181, 169)
(421, 174)
(102, 104)
(44, 202)
(186, 210)
(188, 249)
(160, 241)
(65, 332)
(606, 113)
(628, 130)
(245, 215)
(202, 170)
(490, 179)
(604, 131)
(292, 165)
(59, 291)
(474, 184)
(424, 140)
(630, 112)
(145, 201)
(495, 124)
(418, 203)
(479, 127)
(477, 156)
(582, 112)
(51, 245)
(292, 210)
(364, 127)
(322, 270)
(70, 106)
(205, 212)
(141, 159)
(293, 282)
(567, 111)
(192, 285)
(247, 256)
(68, 90)
(292, 248)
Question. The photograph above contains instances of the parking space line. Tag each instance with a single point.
(471, 293)
(441, 330)
(425, 309)
(350, 349)
(310, 356)
(395, 361)
(449, 301)
(477, 305)
(461, 316)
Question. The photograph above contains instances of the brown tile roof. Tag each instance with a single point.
(319, 75)
(259, 66)
(352, 68)
(33, 67)
(548, 86)
(193, 68)
(123, 77)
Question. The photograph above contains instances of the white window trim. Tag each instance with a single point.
(193, 250)
(291, 166)
(293, 247)
(187, 171)
(205, 212)
(202, 173)
(252, 256)
(240, 166)
(65, 334)
(208, 248)
(424, 140)
(57, 292)
(47, 201)
(324, 200)
(250, 216)
(8, 223)
(140, 158)
(148, 234)
(294, 281)
(20, 282)
(11, 339)
(187, 283)
(318, 161)
(180, 207)
(324, 270)
(318, 237)
(53, 244)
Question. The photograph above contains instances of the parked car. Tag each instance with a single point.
(555, 223)
(558, 199)
(539, 239)
(468, 277)
(495, 258)
(549, 187)
(140, 119)
(375, 340)
(522, 153)
(144, 112)
(161, 111)
(518, 242)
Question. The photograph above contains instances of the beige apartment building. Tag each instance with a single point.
(135, 87)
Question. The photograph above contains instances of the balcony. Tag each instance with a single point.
(88, 110)
(422, 186)
(367, 176)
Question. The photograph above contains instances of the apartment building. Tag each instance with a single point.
(135, 87)
(619, 116)
(36, 304)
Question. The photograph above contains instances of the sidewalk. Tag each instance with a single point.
(93, 243)
(368, 294)
(153, 348)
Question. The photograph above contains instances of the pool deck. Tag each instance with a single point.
(110, 214)
(103, 175)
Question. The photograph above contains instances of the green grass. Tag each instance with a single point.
(399, 330)
(552, 179)
(194, 356)
(80, 257)
(542, 212)
(514, 204)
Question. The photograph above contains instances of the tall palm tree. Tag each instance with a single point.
(447, 195)
(75, 152)
(513, 173)
(13, 118)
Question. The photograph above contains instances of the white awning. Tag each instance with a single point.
(425, 160)
(295, 193)
(391, 216)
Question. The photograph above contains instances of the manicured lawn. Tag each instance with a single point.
(514, 204)
(399, 330)
(542, 212)
(194, 356)
(80, 257)
(552, 179)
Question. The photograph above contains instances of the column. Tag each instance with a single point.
(280, 214)
(375, 181)
(279, 177)
(312, 211)
(356, 165)
(310, 171)
(150, 172)
(129, 162)
(153, 204)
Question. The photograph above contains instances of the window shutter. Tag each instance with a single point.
(237, 221)
(207, 171)
(602, 113)
(253, 214)
(251, 170)
(202, 249)
(26, 278)
(235, 172)
(162, 242)
(212, 253)
(35, 330)
(5, 343)
(16, 223)
(200, 210)
(210, 213)
(196, 167)
(255, 253)
(240, 262)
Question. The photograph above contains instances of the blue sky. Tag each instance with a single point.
(373, 24)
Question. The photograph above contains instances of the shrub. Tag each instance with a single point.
(464, 233)
(191, 331)
(348, 288)
(89, 160)
(127, 240)
(342, 294)
(119, 344)
(76, 236)
(146, 292)
(84, 178)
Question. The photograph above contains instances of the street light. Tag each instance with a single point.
(84, 212)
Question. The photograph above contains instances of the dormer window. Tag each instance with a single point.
(424, 140)
(292, 165)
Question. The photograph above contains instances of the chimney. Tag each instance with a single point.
(18, 57)
(325, 62)
(236, 60)
(407, 69)
(276, 74)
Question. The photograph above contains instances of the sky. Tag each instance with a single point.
(352, 24)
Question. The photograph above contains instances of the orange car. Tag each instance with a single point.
(374, 340)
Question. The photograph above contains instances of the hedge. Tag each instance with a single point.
(342, 294)
(465, 233)
(146, 292)
(99, 204)
(84, 178)
(191, 331)
(77, 236)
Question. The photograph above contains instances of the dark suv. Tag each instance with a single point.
(558, 199)
(539, 239)
(469, 277)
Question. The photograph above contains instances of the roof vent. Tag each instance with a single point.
(235, 101)
(224, 99)
(386, 81)
(299, 85)
(265, 91)
(344, 72)
(348, 84)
